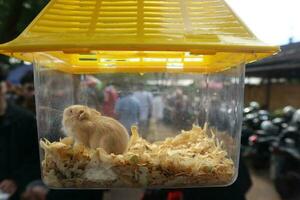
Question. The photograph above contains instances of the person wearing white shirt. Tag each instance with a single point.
(145, 99)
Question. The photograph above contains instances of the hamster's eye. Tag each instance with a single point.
(70, 111)
(81, 111)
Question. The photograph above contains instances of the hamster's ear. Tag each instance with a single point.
(83, 115)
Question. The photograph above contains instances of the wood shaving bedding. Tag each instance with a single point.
(192, 158)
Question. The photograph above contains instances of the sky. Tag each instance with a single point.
(272, 21)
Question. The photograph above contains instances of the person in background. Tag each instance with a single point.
(157, 108)
(145, 99)
(55, 95)
(179, 107)
(28, 91)
(19, 160)
(128, 110)
(90, 92)
(110, 98)
(36, 190)
(236, 191)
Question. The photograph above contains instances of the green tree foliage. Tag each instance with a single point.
(15, 15)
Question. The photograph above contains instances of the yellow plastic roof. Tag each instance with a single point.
(90, 36)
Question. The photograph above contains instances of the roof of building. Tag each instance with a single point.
(285, 64)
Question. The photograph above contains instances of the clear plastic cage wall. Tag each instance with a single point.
(183, 128)
(138, 93)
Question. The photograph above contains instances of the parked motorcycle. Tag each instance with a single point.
(253, 117)
(259, 144)
(285, 163)
(280, 123)
(288, 113)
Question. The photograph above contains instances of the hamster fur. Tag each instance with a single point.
(88, 127)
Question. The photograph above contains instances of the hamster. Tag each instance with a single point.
(88, 127)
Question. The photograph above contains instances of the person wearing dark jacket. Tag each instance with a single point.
(37, 190)
(19, 160)
(236, 191)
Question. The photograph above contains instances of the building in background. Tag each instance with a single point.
(275, 82)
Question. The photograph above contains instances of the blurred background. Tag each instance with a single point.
(271, 133)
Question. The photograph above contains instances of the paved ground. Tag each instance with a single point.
(262, 188)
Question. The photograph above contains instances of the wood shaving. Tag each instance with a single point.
(192, 158)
